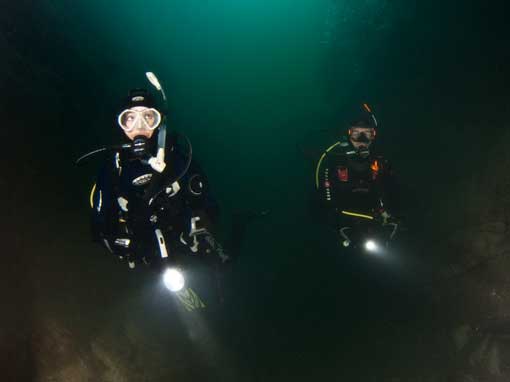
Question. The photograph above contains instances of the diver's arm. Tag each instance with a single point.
(200, 234)
(198, 194)
(106, 209)
(390, 188)
(101, 203)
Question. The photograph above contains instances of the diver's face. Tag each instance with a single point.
(136, 126)
(361, 137)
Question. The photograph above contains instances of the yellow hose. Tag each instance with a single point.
(92, 196)
(358, 215)
(320, 162)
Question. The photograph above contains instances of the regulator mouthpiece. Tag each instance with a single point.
(139, 148)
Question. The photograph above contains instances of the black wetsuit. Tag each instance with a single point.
(124, 205)
(353, 182)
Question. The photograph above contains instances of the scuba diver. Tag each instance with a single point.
(356, 185)
(151, 200)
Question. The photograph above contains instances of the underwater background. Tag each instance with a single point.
(260, 88)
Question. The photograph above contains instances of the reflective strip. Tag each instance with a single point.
(327, 184)
(123, 242)
(161, 243)
(107, 245)
(123, 203)
(117, 163)
(142, 180)
(173, 189)
(320, 162)
(358, 215)
(92, 196)
(100, 204)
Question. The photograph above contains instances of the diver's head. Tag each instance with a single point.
(362, 132)
(139, 117)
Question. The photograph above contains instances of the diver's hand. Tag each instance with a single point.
(194, 239)
(224, 257)
(211, 245)
(385, 217)
(204, 242)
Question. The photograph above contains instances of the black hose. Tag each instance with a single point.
(128, 145)
(102, 149)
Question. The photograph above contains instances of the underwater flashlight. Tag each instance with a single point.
(173, 279)
(371, 246)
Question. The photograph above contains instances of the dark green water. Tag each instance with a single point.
(251, 83)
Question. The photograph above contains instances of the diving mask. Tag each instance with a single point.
(140, 118)
(362, 136)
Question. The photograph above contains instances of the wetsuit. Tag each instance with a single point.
(354, 185)
(130, 201)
